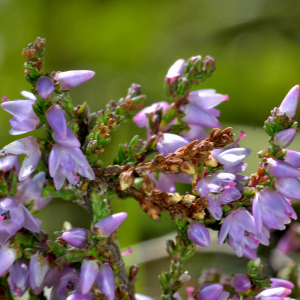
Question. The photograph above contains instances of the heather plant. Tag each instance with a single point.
(184, 144)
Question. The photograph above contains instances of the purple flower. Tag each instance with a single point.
(68, 281)
(80, 296)
(67, 162)
(141, 118)
(169, 143)
(274, 294)
(70, 79)
(288, 187)
(289, 104)
(219, 189)
(19, 277)
(212, 291)
(105, 281)
(13, 217)
(292, 158)
(199, 234)
(277, 282)
(38, 269)
(7, 257)
(240, 283)
(24, 119)
(284, 138)
(32, 189)
(76, 237)
(237, 225)
(271, 209)
(281, 169)
(28, 146)
(175, 71)
(45, 87)
(290, 241)
(58, 122)
(9, 162)
(107, 226)
(88, 275)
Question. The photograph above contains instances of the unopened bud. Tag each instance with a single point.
(184, 277)
(188, 199)
(147, 185)
(187, 167)
(173, 198)
(127, 179)
(210, 162)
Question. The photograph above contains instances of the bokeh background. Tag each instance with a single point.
(256, 45)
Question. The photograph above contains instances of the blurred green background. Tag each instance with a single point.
(256, 45)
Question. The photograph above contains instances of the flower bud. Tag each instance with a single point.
(281, 169)
(19, 277)
(38, 268)
(106, 281)
(57, 120)
(284, 138)
(76, 237)
(127, 179)
(70, 79)
(211, 291)
(110, 224)
(289, 104)
(173, 198)
(45, 87)
(187, 167)
(241, 283)
(199, 234)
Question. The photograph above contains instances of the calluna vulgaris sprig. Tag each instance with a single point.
(84, 264)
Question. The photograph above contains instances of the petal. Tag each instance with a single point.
(210, 291)
(106, 281)
(59, 178)
(45, 87)
(292, 158)
(281, 169)
(233, 157)
(89, 271)
(28, 95)
(54, 159)
(195, 132)
(38, 267)
(30, 222)
(58, 121)
(29, 164)
(245, 220)
(7, 257)
(288, 187)
(225, 229)
(256, 210)
(18, 108)
(71, 141)
(290, 102)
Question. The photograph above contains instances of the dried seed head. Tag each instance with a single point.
(173, 198)
(210, 162)
(199, 215)
(127, 179)
(188, 199)
(187, 167)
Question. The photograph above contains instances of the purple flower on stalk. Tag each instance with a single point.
(76, 237)
(107, 226)
(241, 283)
(28, 146)
(24, 119)
(292, 158)
(271, 209)
(169, 143)
(88, 275)
(284, 138)
(19, 277)
(289, 104)
(66, 163)
(195, 132)
(281, 169)
(105, 281)
(7, 257)
(212, 291)
(219, 189)
(45, 87)
(237, 225)
(13, 217)
(32, 189)
(9, 162)
(70, 79)
(199, 234)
